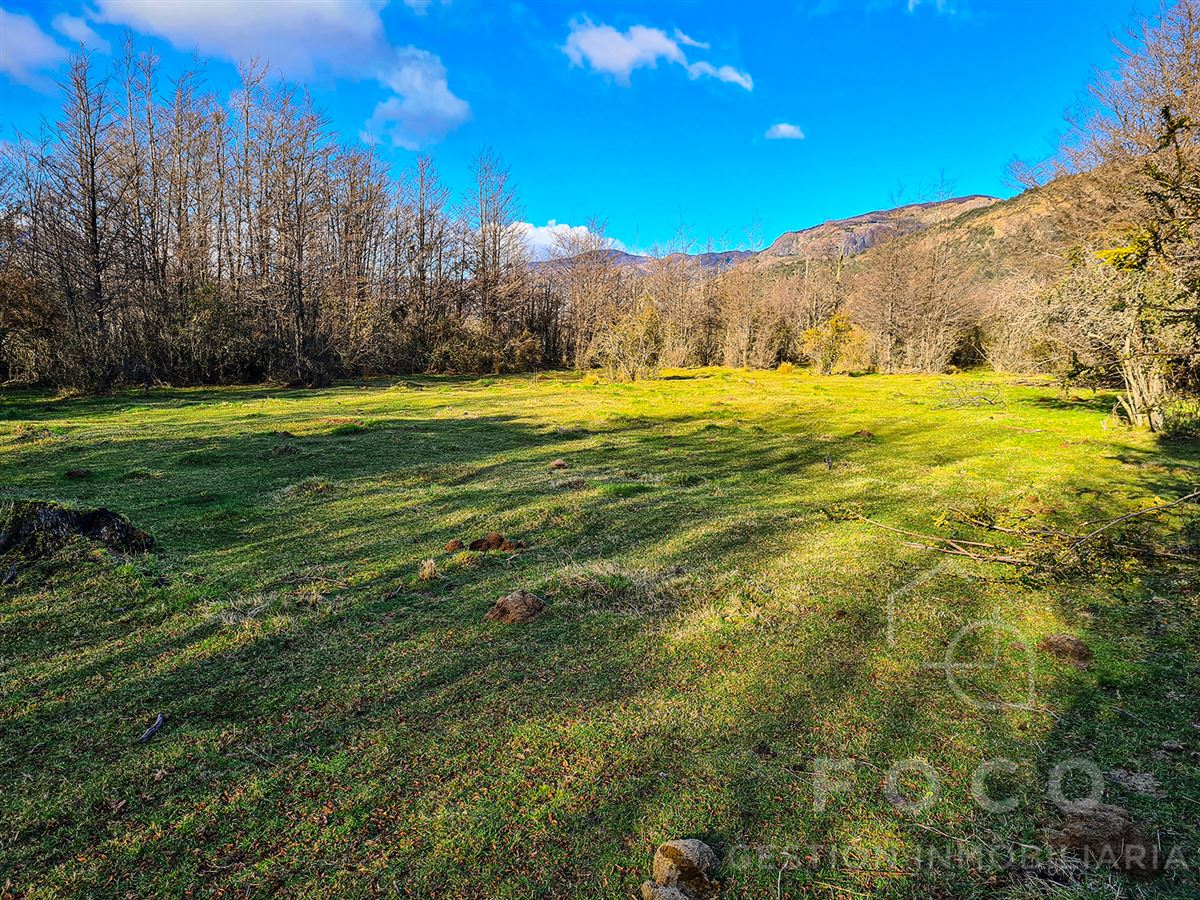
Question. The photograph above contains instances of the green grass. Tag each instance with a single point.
(338, 726)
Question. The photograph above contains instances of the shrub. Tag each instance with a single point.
(786, 368)
(824, 344)
(633, 347)
(1181, 418)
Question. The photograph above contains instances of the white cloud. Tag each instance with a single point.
(784, 131)
(689, 42)
(617, 53)
(424, 108)
(420, 7)
(80, 32)
(543, 240)
(608, 50)
(26, 51)
(292, 35)
(948, 7)
(297, 37)
(721, 73)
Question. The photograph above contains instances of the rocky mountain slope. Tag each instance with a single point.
(849, 237)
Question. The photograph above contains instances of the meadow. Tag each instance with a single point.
(339, 718)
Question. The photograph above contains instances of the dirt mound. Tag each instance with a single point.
(33, 528)
(1068, 648)
(496, 541)
(1102, 833)
(453, 545)
(683, 868)
(515, 608)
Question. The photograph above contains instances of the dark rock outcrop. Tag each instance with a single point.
(33, 528)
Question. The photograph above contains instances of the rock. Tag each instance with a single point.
(687, 865)
(454, 545)
(77, 474)
(1068, 648)
(652, 891)
(36, 527)
(515, 608)
(559, 464)
(1172, 746)
(1103, 833)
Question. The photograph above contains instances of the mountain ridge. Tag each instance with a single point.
(856, 234)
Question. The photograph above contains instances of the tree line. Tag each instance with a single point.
(154, 233)
(157, 233)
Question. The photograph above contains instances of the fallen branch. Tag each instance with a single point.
(953, 546)
(1056, 548)
(1075, 538)
(1134, 515)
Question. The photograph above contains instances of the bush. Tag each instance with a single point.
(633, 347)
(1181, 418)
(786, 368)
(823, 344)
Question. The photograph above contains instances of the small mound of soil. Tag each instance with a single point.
(33, 528)
(559, 464)
(77, 474)
(864, 433)
(515, 608)
(1102, 833)
(1068, 648)
(495, 541)
(683, 868)
(453, 545)
(1143, 783)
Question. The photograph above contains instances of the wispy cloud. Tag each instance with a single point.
(942, 7)
(80, 32)
(721, 73)
(689, 42)
(27, 52)
(300, 37)
(618, 53)
(784, 131)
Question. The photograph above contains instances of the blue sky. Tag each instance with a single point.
(650, 115)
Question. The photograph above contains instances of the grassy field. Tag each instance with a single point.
(715, 626)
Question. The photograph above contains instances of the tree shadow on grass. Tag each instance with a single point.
(386, 737)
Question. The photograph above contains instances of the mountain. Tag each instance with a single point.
(1029, 234)
(711, 261)
(849, 237)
